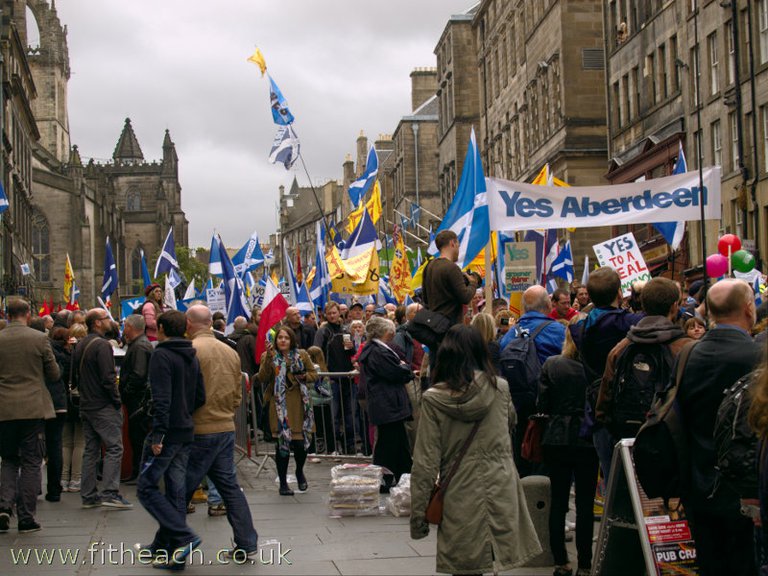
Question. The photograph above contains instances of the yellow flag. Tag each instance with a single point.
(69, 279)
(258, 58)
(478, 264)
(544, 178)
(418, 276)
(310, 277)
(400, 271)
(367, 272)
(373, 206)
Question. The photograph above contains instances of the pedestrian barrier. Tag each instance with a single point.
(538, 500)
(245, 422)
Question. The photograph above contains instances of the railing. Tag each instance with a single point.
(245, 422)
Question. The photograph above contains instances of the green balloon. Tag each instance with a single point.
(742, 261)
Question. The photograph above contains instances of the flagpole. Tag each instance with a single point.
(699, 157)
(488, 276)
(314, 193)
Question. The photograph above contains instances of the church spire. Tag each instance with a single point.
(170, 159)
(128, 149)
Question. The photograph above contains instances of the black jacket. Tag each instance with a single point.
(60, 388)
(385, 379)
(135, 369)
(246, 350)
(562, 386)
(330, 339)
(177, 391)
(722, 356)
(97, 381)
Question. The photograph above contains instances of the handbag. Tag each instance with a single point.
(434, 512)
(531, 449)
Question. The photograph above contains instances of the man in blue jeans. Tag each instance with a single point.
(213, 451)
(177, 390)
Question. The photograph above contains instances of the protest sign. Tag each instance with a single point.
(519, 272)
(623, 255)
(217, 300)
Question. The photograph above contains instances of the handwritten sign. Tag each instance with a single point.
(623, 255)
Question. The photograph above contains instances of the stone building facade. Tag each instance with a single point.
(60, 206)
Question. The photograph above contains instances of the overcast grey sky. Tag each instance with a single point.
(343, 66)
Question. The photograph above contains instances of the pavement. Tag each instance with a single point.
(296, 536)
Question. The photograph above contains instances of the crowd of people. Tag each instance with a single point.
(362, 380)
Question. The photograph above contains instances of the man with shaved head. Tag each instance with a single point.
(305, 335)
(724, 543)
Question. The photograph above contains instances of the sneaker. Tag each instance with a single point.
(139, 548)
(74, 486)
(177, 559)
(65, 485)
(241, 555)
(116, 501)
(29, 526)
(5, 521)
(217, 510)
(191, 508)
(91, 503)
(199, 497)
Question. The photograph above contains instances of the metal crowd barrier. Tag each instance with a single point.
(245, 423)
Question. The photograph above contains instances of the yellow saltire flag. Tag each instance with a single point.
(400, 270)
(373, 206)
(343, 283)
(258, 58)
(310, 277)
(69, 279)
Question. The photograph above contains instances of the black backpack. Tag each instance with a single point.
(735, 441)
(520, 367)
(642, 372)
(660, 450)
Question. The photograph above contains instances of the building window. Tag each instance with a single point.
(137, 280)
(663, 72)
(694, 77)
(616, 105)
(714, 64)
(133, 201)
(626, 92)
(734, 141)
(762, 22)
(731, 62)
(636, 90)
(41, 248)
(673, 58)
(650, 72)
(764, 115)
(717, 144)
(697, 145)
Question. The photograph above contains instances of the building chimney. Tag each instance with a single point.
(423, 85)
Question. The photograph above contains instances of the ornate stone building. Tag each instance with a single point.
(58, 205)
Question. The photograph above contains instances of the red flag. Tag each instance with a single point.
(299, 274)
(272, 311)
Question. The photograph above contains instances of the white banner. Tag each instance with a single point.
(623, 255)
(217, 300)
(519, 206)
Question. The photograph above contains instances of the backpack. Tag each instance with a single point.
(735, 442)
(660, 450)
(642, 372)
(520, 367)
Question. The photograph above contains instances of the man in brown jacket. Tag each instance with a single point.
(26, 364)
(213, 451)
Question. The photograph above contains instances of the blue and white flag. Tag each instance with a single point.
(249, 257)
(214, 258)
(467, 215)
(364, 237)
(173, 278)
(75, 293)
(673, 231)
(385, 292)
(4, 204)
(360, 187)
(758, 294)
(144, 270)
(404, 222)
(167, 259)
(237, 305)
(297, 295)
(280, 113)
(322, 280)
(415, 214)
(431, 235)
(109, 285)
(419, 261)
(131, 306)
(562, 266)
(285, 147)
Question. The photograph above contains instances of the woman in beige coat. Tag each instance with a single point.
(285, 372)
(486, 525)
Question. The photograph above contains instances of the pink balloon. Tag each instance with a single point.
(728, 240)
(717, 265)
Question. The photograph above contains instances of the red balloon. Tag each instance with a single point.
(728, 240)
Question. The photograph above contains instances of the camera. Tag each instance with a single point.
(505, 321)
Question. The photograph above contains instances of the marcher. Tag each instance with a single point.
(26, 364)
(486, 325)
(54, 428)
(286, 372)
(73, 443)
(486, 525)
(694, 328)
(305, 335)
(93, 364)
(758, 421)
(561, 305)
(151, 309)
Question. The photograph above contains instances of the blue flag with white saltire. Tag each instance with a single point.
(167, 259)
(385, 293)
(214, 258)
(237, 305)
(280, 112)
(144, 270)
(363, 237)
(322, 280)
(109, 285)
(562, 266)
(4, 204)
(758, 294)
(404, 222)
(673, 231)
(419, 261)
(249, 257)
(467, 215)
(285, 147)
(415, 214)
(297, 295)
(360, 187)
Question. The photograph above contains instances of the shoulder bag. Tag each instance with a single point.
(428, 327)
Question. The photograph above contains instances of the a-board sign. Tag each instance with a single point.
(623, 255)
(640, 535)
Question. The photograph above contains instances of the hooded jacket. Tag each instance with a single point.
(385, 380)
(649, 330)
(330, 339)
(485, 518)
(177, 391)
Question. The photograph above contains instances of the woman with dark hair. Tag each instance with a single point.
(485, 525)
(285, 371)
(54, 429)
(151, 309)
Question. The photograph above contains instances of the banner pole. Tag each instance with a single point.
(488, 277)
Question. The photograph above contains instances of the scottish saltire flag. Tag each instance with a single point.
(321, 282)
(467, 215)
(298, 295)
(169, 293)
(167, 259)
(190, 293)
(415, 214)
(285, 147)
(4, 204)
(280, 113)
(214, 258)
(431, 235)
(237, 305)
(360, 187)
(385, 292)
(363, 238)
(72, 304)
(109, 285)
(335, 235)
(404, 222)
(419, 261)
(144, 270)
(173, 278)
(552, 249)
(562, 266)
(249, 257)
(673, 231)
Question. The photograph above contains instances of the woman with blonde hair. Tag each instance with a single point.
(486, 325)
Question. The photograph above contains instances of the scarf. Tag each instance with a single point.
(286, 364)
